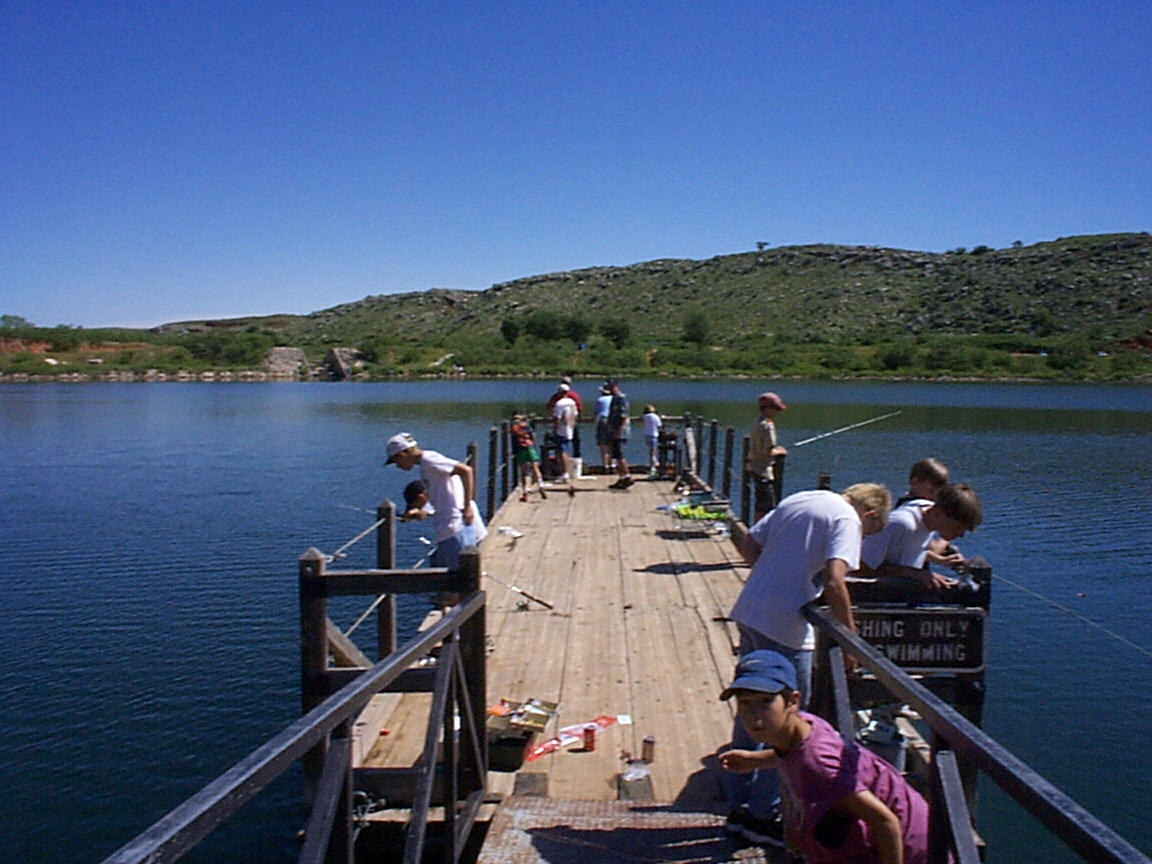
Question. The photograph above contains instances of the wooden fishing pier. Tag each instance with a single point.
(638, 633)
(603, 606)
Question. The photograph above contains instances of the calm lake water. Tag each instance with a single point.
(150, 536)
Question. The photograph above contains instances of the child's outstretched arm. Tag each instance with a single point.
(877, 816)
(746, 761)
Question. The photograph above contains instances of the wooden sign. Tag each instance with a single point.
(926, 640)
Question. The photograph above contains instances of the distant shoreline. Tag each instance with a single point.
(259, 377)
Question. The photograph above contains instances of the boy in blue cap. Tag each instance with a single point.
(840, 801)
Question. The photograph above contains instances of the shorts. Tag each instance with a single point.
(603, 433)
(651, 441)
(447, 552)
(527, 455)
(764, 498)
(618, 447)
(564, 445)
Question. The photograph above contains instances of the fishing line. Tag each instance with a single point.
(380, 597)
(339, 552)
(844, 429)
(357, 509)
(1075, 614)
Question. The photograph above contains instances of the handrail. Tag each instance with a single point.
(1071, 823)
(181, 829)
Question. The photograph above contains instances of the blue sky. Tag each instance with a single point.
(163, 160)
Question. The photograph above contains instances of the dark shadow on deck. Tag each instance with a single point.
(675, 568)
(564, 844)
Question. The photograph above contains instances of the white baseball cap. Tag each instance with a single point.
(396, 445)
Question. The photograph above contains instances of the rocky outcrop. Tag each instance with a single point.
(283, 362)
(341, 363)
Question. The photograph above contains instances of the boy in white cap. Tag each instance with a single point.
(564, 415)
(450, 487)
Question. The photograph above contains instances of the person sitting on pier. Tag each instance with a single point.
(526, 455)
(903, 547)
(416, 504)
(803, 548)
(450, 487)
(762, 453)
(925, 480)
(841, 802)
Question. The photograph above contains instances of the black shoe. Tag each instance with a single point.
(734, 824)
(764, 832)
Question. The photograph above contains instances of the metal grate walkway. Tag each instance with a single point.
(530, 830)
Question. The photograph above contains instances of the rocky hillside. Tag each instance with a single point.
(1096, 286)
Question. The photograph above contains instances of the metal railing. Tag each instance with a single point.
(956, 737)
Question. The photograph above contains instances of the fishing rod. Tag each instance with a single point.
(844, 429)
(507, 585)
(521, 591)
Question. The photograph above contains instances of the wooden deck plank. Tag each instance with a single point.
(634, 631)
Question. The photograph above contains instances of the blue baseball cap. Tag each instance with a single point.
(764, 671)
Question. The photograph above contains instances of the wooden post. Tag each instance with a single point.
(698, 466)
(386, 560)
(745, 480)
(729, 440)
(686, 423)
(493, 465)
(820, 697)
(473, 654)
(713, 430)
(313, 655)
(505, 461)
(777, 479)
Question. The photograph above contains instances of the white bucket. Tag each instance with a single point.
(577, 466)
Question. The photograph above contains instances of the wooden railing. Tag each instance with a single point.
(454, 761)
(452, 770)
(955, 737)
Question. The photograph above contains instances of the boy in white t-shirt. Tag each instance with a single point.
(564, 414)
(450, 487)
(652, 424)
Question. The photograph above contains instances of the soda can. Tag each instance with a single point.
(590, 737)
(648, 750)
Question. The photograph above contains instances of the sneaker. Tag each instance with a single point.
(524, 497)
(764, 832)
(543, 494)
(626, 481)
